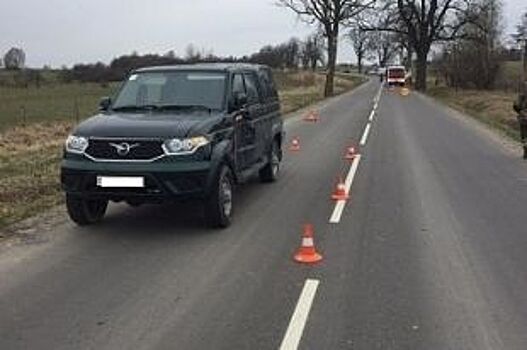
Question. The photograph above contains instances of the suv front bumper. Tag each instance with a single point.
(164, 181)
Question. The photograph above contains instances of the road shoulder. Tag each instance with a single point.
(497, 136)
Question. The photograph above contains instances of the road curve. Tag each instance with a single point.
(429, 252)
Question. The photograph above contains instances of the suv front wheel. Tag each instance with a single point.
(85, 211)
(219, 204)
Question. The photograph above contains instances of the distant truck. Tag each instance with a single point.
(396, 75)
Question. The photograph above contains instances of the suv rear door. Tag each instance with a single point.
(244, 131)
(255, 114)
(271, 122)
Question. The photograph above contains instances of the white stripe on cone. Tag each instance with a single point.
(307, 242)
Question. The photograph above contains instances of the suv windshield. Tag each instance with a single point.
(172, 90)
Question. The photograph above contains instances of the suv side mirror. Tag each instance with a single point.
(105, 103)
(240, 100)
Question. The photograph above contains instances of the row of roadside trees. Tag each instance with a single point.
(414, 29)
(464, 37)
(292, 54)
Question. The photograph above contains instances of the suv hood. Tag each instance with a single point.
(149, 124)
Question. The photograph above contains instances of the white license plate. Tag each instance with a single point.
(121, 181)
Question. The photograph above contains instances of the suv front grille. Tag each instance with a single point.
(125, 149)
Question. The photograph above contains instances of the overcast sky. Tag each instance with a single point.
(57, 32)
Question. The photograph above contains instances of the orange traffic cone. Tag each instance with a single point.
(312, 116)
(307, 253)
(351, 152)
(340, 192)
(295, 144)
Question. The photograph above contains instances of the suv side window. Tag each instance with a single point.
(266, 83)
(273, 94)
(237, 84)
(252, 90)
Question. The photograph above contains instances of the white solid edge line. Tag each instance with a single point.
(298, 320)
(372, 113)
(364, 137)
(339, 206)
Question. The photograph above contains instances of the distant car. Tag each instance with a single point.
(395, 76)
(173, 133)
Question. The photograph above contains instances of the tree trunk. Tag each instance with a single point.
(409, 54)
(359, 62)
(524, 71)
(420, 79)
(332, 61)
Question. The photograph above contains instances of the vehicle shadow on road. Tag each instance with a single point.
(175, 219)
(152, 220)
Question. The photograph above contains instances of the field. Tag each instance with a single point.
(19, 106)
(35, 121)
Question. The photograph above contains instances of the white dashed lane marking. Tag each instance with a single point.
(298, 320)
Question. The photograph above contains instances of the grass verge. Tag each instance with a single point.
(492, 107)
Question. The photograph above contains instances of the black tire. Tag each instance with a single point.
(219, 204)
(269, 173)
(85, 212)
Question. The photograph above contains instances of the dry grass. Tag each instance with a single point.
(491, 107)
(29, 169)
(302, 89)
(30, 155)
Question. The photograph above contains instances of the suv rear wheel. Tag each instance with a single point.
(219, 205)
(85, 211)
(269, 173)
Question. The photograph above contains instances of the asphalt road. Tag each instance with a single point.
(429, 252)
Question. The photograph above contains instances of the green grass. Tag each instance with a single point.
(49, 103)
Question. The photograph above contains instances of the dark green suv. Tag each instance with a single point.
(173, 133)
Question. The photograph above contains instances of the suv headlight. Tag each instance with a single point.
(76, 144)
(184, 146)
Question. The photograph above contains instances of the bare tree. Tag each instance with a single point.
(384, 27)
(14, 59)
(312, 52)
(521, 38)
(426, 22)
(330, 15)
(384, 45)
(361, 43)
(291, 53)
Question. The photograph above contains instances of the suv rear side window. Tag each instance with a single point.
(237, 84)
(252, 89)
(266, 83)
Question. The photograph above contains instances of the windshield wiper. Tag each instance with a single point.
(150, 107)
(166, 107)
(178, 107)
